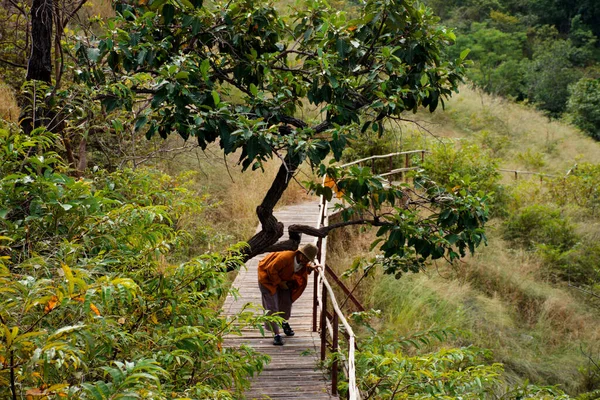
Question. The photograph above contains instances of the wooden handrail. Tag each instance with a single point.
(397, 171)
(384, 156)
(324, 292)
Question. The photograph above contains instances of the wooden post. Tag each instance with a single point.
(315, 301)
(422, 156)
(334, 366)
(406, 160)
(324, 324)
(516, 175)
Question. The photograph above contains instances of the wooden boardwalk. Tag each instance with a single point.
(293, 372)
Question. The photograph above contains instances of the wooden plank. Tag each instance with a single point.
(293, 372)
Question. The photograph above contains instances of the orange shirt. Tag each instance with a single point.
(279, 267)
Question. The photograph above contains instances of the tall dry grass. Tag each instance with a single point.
(9, 110)
(521, 136)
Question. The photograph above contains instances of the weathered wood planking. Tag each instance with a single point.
(293, 372)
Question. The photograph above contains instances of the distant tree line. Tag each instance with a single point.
(542, 51)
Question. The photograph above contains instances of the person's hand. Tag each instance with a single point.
(283, 285)
(316, 266)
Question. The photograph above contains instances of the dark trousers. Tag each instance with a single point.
(280, 302)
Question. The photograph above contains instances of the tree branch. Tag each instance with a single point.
(15, 5)
(13, 64)
(324, 231)
(72, 13)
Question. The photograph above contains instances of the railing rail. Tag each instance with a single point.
(390, 155)
(517, 172)
(324, 293)
(329, 323)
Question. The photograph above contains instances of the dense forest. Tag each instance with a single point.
(130, 132)
(542, 52)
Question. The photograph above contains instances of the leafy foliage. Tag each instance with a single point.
(188, 74)
(406, 238)
(549, 75)
(584, 106)
(90, 306)
(540, 224)
(386, 369)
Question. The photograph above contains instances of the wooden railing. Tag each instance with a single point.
(391, 156)
(329, 323)
(517, 172)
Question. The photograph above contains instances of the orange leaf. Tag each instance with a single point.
(79, 299)
(51, 304)
(95, 309)
(35, 392)
(352, 28)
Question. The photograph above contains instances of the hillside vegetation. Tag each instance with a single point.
(528, 295)
(118, 234)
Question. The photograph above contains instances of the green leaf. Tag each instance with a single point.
(253, 89)
(168, 13)
(216, 99)
(464, 53)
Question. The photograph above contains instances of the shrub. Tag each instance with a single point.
(584, 106)
(580, 265)
(540, 224)
(448, 163)
(90, 306)
(581, 187)
(467, 167)
(385, 369)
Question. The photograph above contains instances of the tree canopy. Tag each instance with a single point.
(238, 74)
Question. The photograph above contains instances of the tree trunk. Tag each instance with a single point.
(39, 67)
(40, 61)
(272, 229)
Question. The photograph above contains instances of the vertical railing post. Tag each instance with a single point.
(422, 156)
(315, 284)
(315, 300)
(324, 323)
(334, 365)
(406, 160)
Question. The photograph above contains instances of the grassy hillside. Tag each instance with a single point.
(506, 298)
